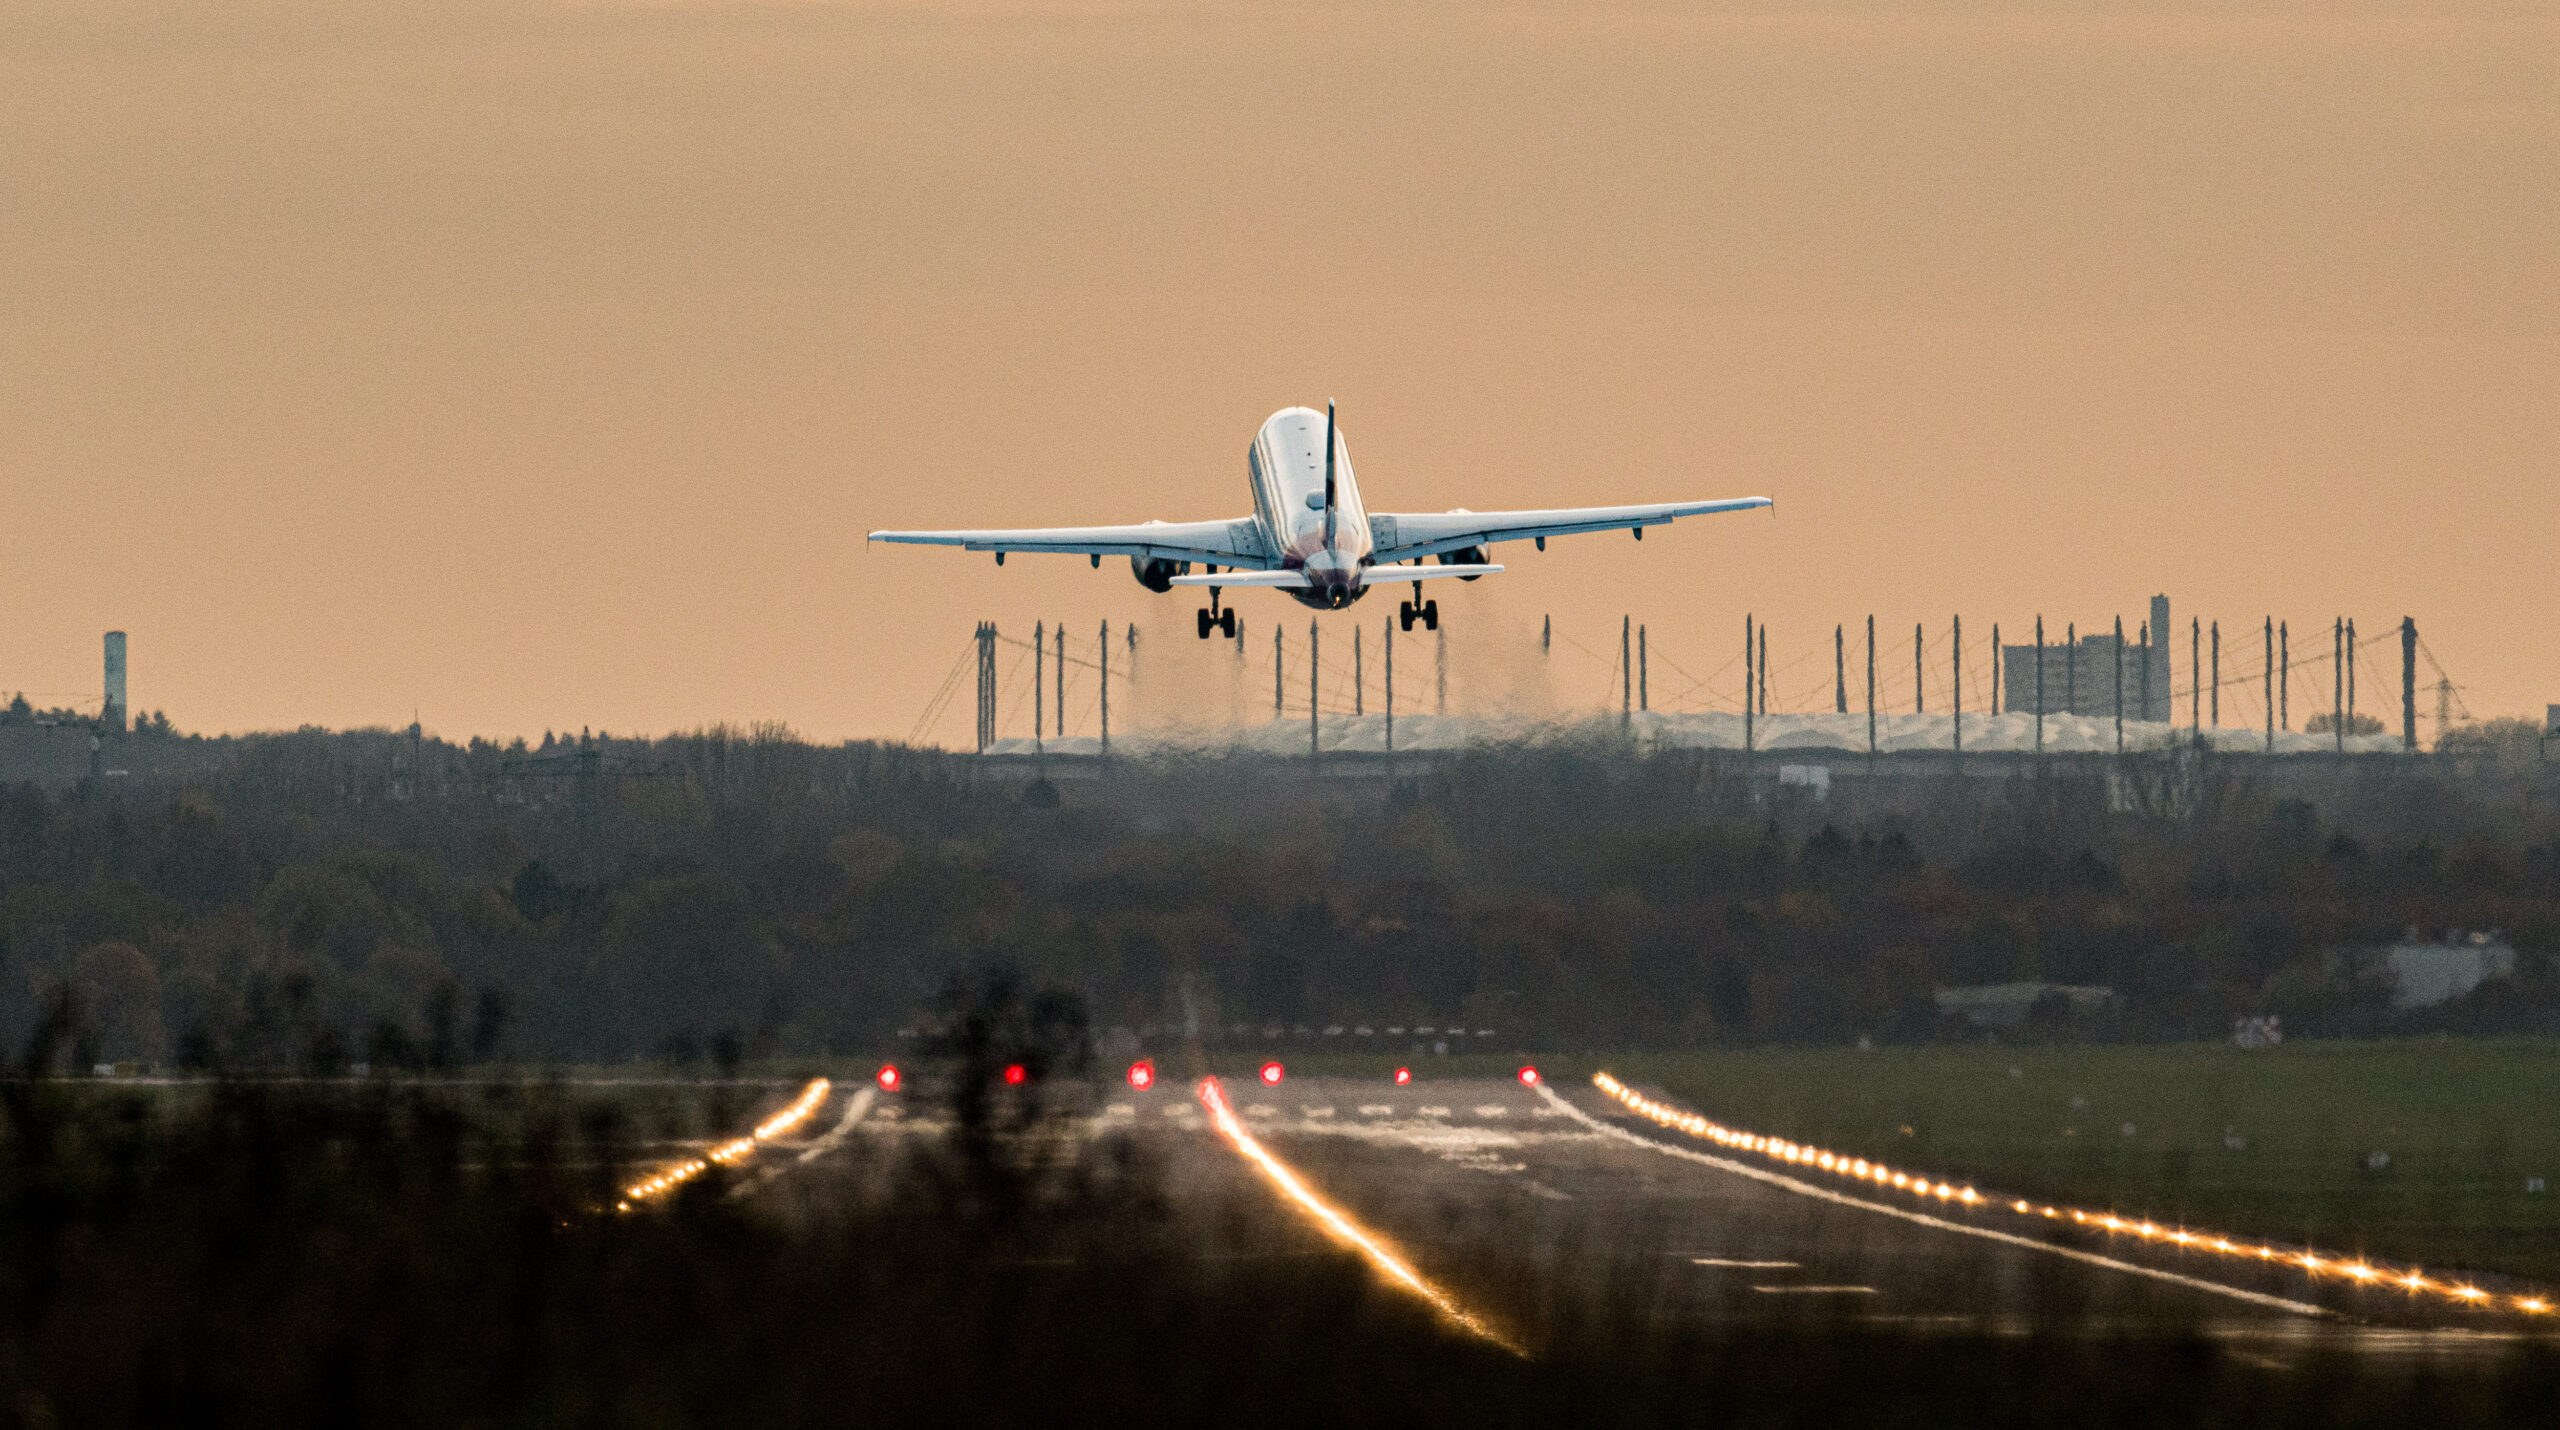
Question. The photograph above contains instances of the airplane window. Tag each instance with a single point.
(1315, 501)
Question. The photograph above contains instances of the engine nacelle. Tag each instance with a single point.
(1469, 556)
(1156, 573)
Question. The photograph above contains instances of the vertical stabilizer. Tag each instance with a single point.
(1329, 517)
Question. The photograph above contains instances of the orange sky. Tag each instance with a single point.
(543, 365)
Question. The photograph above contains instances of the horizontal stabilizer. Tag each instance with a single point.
(1286, 579)
(1389, 575)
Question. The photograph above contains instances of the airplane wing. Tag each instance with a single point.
(1226, 543)
(1407, 536)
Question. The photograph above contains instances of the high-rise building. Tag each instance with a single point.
(2080, 678)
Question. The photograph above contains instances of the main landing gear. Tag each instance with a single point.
(1427, 612)
(1214, 619)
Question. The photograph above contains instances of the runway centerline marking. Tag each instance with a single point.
(1825, 1194)
(1746, 1265)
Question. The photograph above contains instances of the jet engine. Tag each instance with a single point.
(1156, 573)
(1469, 556)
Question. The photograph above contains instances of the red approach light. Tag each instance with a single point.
(1271, 1074)
(1403, 1076)
(1528, 1077)
(888, 1077)
(1142, 1073)
(1015, 1075)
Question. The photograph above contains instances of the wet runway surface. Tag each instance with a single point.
(1520, 1199)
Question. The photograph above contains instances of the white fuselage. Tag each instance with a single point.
(1286, 467)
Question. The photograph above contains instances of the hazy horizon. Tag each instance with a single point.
(537, 367)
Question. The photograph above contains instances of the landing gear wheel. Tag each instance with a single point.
(1431, 615)
(1404, 614)
(1204, 623)
(1227, 623)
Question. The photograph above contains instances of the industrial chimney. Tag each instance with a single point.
(112, 717)
(2161, 701)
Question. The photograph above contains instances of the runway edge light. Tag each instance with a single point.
(1142, 1074)
(1528, 1077)
(2311, 1262)
(888, 1077)
(1271, 1074)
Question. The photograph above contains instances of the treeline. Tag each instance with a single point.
(317, 899)
(19, 711)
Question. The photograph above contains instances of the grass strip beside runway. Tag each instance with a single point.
(2278, 1143)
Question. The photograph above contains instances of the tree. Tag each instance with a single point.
(2327, 720)
(2508, 742)
(117, 993)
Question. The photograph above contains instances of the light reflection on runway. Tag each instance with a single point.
(1506, 1194)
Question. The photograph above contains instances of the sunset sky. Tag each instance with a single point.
(536, 365)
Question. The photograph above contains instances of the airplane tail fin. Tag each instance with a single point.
(1328, 473)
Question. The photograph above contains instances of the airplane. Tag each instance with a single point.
(1311, 536)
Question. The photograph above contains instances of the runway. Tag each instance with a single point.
(1520, 1201)
(1510, 1194)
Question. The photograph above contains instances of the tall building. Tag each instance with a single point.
(2080, 678)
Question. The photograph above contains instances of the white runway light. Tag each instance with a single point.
(735, 1149)
(1807, 1189)
(1340, 1227)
